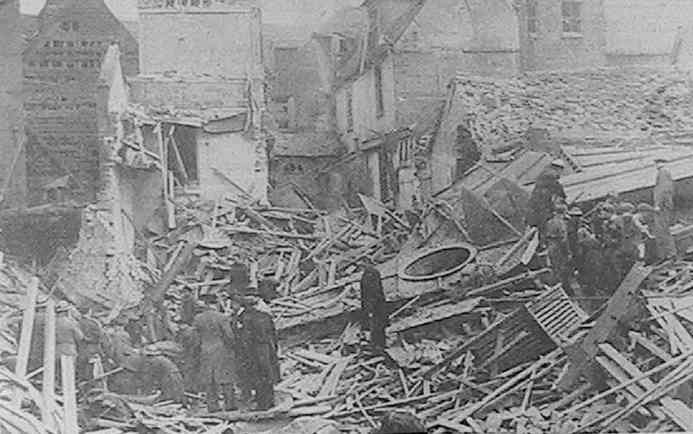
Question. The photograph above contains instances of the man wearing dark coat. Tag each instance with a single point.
(557, 247)
(217, 358)
(589, 268)
(547, 190)
(257, 348)
(373, 310)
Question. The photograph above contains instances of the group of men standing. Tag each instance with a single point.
(233, 347)
(597, 249)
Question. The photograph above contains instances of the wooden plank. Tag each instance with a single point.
(13, 165)
(67, 364)
(330, 386)
(179, 159)
(25, 334)
(48, 387)
(679, 413)
(581, 355)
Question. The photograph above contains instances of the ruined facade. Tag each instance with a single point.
(562, 34)
(61, 68)
(12, 140)
(394, 74)
(204, 95)
(619, 102)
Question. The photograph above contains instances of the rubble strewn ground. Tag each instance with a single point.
(509, 354)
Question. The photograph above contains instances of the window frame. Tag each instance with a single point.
(571, 22)
(532, 18)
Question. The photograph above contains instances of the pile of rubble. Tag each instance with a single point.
(466, 353)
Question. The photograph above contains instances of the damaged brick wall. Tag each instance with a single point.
(61, 68)
(619, 101)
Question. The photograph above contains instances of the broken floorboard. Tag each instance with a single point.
(581, 355)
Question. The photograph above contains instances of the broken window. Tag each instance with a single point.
(532, 17)
(183, 153)
(379, 96)
(65, 26)
(349, 109)
(571, 13)
(57, 44)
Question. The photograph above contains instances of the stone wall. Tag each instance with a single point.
(550, 48)
(222, 41)
(618, 102)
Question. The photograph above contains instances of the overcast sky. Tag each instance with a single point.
(123, 9)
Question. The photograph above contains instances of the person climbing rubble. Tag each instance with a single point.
(547, 190)
(373, 309)
(217, 358)
(257, 348)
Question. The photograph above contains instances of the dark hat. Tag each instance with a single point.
(661, 160)
(575, 211)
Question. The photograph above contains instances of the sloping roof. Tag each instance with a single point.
(390, 33)
(306, 144)
(56, 10)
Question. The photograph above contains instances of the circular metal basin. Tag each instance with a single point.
(439, 262)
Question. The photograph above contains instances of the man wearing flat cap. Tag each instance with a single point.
(547, 191)
(663, 196)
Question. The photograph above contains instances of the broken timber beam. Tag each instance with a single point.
(580, 356)
(488, 289)
(25, 335)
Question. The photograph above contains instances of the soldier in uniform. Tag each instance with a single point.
(557, 247)
(258, 348)
(373, 309)
(547, 189)
(217, 358)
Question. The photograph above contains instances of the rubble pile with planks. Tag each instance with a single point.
(510, 353)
